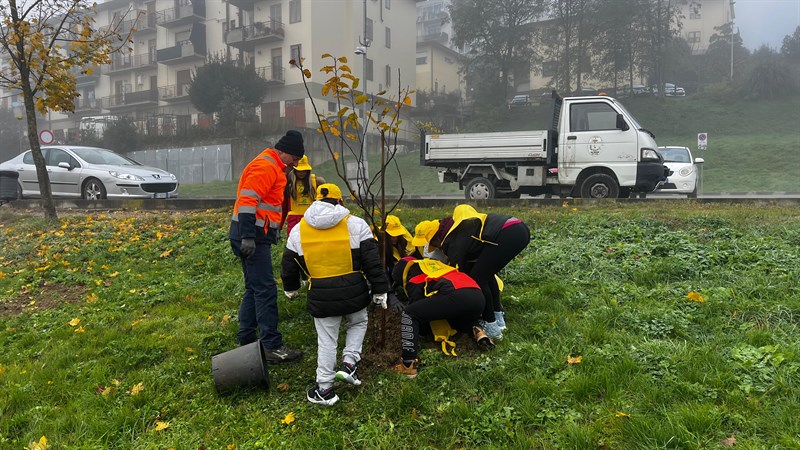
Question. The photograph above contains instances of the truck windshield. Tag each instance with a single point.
(635, 123)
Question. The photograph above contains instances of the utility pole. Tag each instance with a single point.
(363, 169)
(733, 16)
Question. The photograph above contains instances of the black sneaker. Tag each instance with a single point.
(348, 374)
(320, 396)
(282, 354)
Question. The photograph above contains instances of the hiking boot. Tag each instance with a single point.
(492, 330)
(409, 369)
(500, 318)
(282, 354)
(483, 340)
(321, 396)
(348, 374)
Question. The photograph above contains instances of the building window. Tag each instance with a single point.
(369, 30)
(388, 37)
(422, 60)
(368, 69)
(296, 52)
(388, 4)
(388, 75)
(295, 14)
(275, 13)
(549, 68)
(694, 37)
(332, 107)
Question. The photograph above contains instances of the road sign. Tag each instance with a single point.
(46, 137)
(702, 141)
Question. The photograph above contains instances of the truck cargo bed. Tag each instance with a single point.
(509, 146)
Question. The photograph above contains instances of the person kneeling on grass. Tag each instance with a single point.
(435, 291)
(340, 256)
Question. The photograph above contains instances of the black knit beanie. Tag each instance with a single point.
(291, 143)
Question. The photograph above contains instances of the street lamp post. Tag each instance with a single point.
(733, 16)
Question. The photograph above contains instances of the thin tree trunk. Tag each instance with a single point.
(38, 158)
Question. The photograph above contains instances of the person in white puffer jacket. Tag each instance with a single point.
(341, 258)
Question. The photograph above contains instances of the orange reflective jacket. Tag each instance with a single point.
(259, 197)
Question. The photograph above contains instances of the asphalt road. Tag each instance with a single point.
(779, 198)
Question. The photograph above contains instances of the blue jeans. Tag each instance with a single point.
(259, 308)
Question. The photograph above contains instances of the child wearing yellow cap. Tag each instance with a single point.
(301, 187)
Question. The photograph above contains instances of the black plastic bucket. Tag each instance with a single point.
(8, 185)
(243, 366)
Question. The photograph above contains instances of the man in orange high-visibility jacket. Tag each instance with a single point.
(254, 228)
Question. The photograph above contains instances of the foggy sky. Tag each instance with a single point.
(766, 21)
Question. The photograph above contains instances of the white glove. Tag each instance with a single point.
(290, 294)
(379, 299)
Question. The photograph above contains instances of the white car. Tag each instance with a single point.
(91, 173)
(684, 171)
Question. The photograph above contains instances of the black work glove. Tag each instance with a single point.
(248, 247)
(395, 304)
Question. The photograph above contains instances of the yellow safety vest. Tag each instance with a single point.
(304, 199)
(327, 252)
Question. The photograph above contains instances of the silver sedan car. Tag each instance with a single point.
(92, 173)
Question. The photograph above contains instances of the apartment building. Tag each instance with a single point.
(701, 18)
(438, 61)
(173, 38)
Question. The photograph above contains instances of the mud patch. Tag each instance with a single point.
(46, 297)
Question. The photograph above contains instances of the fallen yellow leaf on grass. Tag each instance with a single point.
(41, 445)
(283, 387)
(166, 253)
(288, 419)
(136, 322)
(729, 441)
(230, 447)
(621, 414)
(161, 426)
(74, 322)
(80, 330)
(695, 297)
(138, 387)
(573, 360)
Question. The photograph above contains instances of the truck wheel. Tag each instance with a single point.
(479, 189)
(599, 185)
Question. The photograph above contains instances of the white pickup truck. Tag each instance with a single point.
(594, 148)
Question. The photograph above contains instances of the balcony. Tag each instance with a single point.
(183, 52)
(246, 38)
(194, 11)
(121, 62)
(85, 105)
(85, 76)
(174, 93)
(440, 37)
(243, 4)
(143, 23)
(273, 75)
(129, 99)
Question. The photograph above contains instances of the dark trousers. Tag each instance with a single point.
(259, 308)
(462, 308)
(510, 243)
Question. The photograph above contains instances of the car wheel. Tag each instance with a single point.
(93, 189)
(479, 189)
(599, 185)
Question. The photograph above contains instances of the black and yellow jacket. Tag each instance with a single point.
(469, 235)
(341, 257)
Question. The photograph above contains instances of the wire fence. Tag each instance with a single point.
(192, 165)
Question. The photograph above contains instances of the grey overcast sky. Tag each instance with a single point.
(766, 21)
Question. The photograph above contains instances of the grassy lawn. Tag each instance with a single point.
(681, 321)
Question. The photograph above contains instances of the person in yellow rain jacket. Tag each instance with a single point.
(301, 188)
(340, 256)
(253, 230)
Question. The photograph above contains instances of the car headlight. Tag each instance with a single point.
(174, 178)
(685, 171)
(649, 153)
(125, 176)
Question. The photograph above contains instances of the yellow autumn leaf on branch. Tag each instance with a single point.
(161, 426)
(288, 419)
